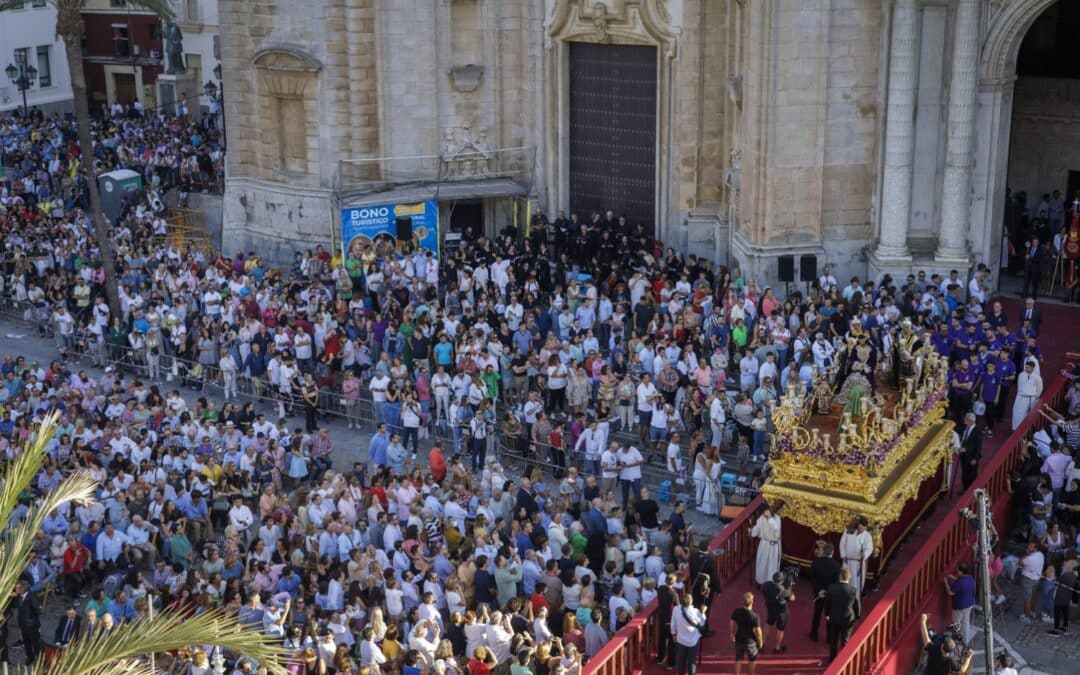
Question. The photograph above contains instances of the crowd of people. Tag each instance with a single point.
(582, 349)
(44, 177)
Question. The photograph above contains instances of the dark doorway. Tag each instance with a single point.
(1072, 194)
(125, 87)
(613, 131)
(467, 213)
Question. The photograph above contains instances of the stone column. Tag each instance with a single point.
(899, 132)
(956, 199)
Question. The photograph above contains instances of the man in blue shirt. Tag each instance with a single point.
(961, 587)
(377, 447)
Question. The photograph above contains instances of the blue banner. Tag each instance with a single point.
(400, 228)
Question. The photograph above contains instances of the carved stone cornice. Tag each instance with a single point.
(632, 22)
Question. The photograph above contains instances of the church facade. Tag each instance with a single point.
(871, 135)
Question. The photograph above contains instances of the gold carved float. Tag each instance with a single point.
(837, 455)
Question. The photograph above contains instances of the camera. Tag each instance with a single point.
(791, 576)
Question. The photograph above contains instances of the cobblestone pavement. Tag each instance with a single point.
(1033, 650)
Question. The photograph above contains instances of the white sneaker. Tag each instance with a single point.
(1046, 619)
(999, 599)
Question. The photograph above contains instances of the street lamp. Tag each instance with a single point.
(22, 76)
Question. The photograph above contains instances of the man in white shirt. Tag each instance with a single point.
(589, 442)
(645, 392)
(241, 518)
(1031, 570)
(378, 385)
(717, 417)
(111, 545)
(823, 352)
(139, 533)
(629, 462)
(609, 465)
(827, 280)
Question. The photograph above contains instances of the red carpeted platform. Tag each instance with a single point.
(803, 655)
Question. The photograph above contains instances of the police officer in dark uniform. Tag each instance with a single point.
(824, 571)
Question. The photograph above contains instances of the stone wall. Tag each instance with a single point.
(1045, 143)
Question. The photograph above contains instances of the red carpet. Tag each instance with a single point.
(803, 655)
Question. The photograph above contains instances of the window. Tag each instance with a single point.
(120, 40)
(192, 10)
(20, 55)
(44, 66)
(292, 141)
(117, 3)
(38, 3)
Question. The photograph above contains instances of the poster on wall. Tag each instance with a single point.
(390, 228)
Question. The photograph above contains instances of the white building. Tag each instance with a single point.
(198, 19)
(29, 35)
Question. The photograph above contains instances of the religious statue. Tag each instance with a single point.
(174, 50)
(856, 363)
(906, 348)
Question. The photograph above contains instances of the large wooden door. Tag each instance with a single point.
(613, 130)
(125, 87)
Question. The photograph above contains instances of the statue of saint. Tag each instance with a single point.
(908, 343)
(174, 50)
(858, 362)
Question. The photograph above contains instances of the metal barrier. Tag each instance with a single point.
(889, 633)
(333, 403)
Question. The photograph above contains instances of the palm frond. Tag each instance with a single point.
(17, 541)
(117, 653)
(163, 8)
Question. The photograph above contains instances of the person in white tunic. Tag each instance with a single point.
(767, 530)
(856, 547)
(1029, 387)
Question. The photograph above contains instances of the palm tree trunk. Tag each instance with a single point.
(69, 26)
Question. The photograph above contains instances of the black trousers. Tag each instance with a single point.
(838, 637)
(819, 609)
(1032, 279)
(968, 472)
(665, 643)
(687, 658)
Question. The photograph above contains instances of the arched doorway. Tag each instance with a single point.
(1008, 27)
(1044, 149)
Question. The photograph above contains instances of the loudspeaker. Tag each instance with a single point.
(404, 230)
(808, 268)
(786, 265)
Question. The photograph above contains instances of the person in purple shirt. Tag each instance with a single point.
(990, 395)
(1004, 339)
(961, 383)
(961, 588)
(942, 342)
(968, 343)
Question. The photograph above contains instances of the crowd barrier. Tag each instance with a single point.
(655, 476)
(887, 639)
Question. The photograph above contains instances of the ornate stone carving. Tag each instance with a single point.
(643, 22)
(466, 78)
(465, 156)
(599, 21)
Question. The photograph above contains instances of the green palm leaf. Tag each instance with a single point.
(123, 651)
